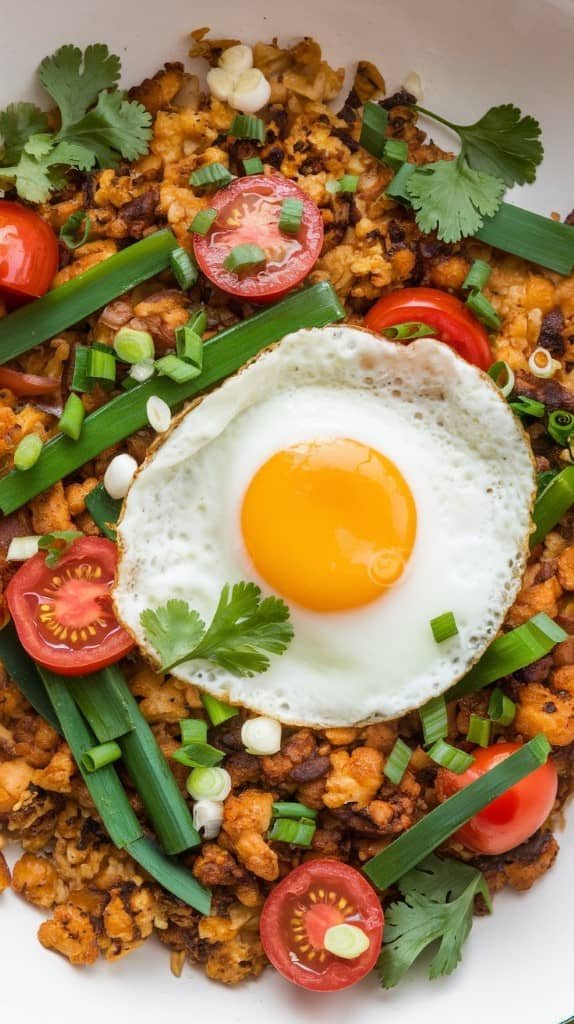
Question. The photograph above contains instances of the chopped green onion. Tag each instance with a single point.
(104, 786)
(100, 756)
(477, 276)
(348, 183)
(209, 784)
(397, 187)
(434, 719)
(552, 504)
(544, 479)
(203, 221)
(132, 346)
(81, 375)
(75, 230)
(244, 257)
(101, 698)
(291, 216)
(72, 302)
(193, 730)
(373, 127)
(189, 346)
(245, 126)
(176, 369)
(479, 730)
(408, 331)
(397, 762)
(22, 670)
(443, 627)
(296, 833)
(56, 544)
(534, 238)
(450, 757)
(483, 310)
(183, 268)
(523, 406)
(217, 711)
(284, 809)
(561, 426)
(501, 709)
(72, 418)
(101, 365)
(171, 875)
(28, 452)
(346, 941)
(197, 321)
(332, 186)
(253, 165)
(104, 510)
(503, 376)
(212, 175)
(198, 755)
(395, 153)
(509, 653)
(405, 852)
(223, 354)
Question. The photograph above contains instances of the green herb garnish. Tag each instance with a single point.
(438, 907)
(99, 125)
(57, 544)
(76, 229)
(244, 629)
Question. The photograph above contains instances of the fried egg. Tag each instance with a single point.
(373, 486)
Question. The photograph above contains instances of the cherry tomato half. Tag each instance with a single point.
(453, 322)
(28, 252)
(248, 213)
(64, 615)
(513, 817)
(312, 898)
(27, 383)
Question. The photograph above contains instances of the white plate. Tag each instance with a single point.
(517, 966)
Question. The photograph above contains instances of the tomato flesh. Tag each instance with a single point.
(314, 897)
(248, 213)
(64, 615)
(454, 323)
(28, 253)
(512, 818)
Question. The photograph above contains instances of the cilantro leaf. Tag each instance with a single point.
(17, 123)
(503, 142)
(56, 544)
(115, 127)
(42, 165)
(74, 79)
(244, 629)
(173, 630)
(437, 907)
(452, 198)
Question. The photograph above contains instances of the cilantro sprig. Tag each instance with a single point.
(437, 908)
(452, 197)
(98, 124)
(245, 628)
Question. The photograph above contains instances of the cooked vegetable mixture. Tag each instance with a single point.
(357, 197)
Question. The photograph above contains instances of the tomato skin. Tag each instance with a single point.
(27, 383)
(289, 895)
(78, 601)
(512, 818)
(454, 323)
(28, 253)
(269, 284)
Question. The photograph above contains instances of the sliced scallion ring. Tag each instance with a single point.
(348, 183)
(285, 809)
(561, 426)
(501, 709)
(198, 754)
(374, 123)
(193, 730)
(478, 730)
(408, 331)
(245, 126)
(253, 165)
(524, 406)
(132, 346)
(217, 711)
(503, 376)
(477, 276)
(211, 176)
(447, 756)
(397, 762)
(434, 720)
(183, 268)
(189, 345)
(552, 504)
(28, 452)
(291, 216)
(443, 627)
(541, 363)
(209, 784)
(244, 257)
(76, 229)
(72, 418)
(296, 833)
(101, 365)
(203, 221)
(346, 940)
(100, 756)
(483, 310)
(176, 369)
(395, 153)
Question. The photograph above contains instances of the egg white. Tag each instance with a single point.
(470, 470)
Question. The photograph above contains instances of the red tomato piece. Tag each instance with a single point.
(312, 898)
(64, 615)
(512, 818)
(27, 383)
(28, 253)
(454, 323)
(248, 213)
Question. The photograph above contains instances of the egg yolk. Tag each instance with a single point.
(329, 524)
